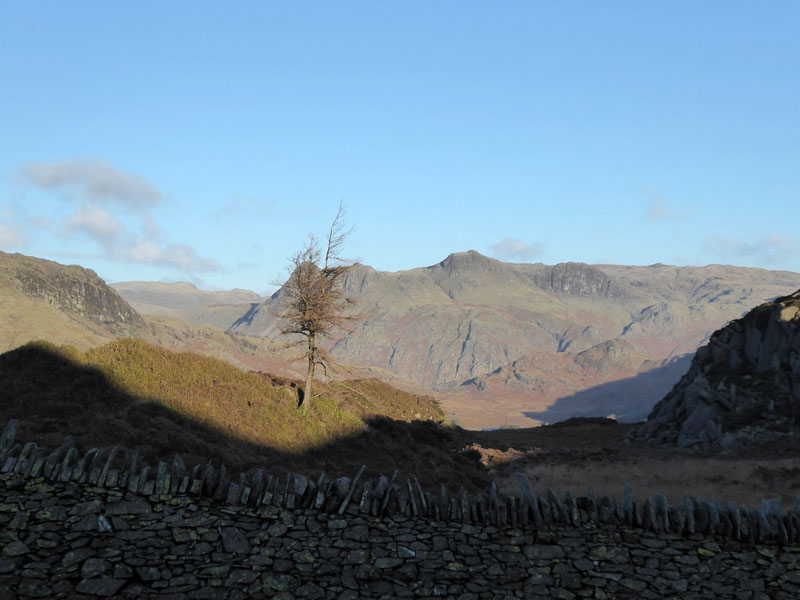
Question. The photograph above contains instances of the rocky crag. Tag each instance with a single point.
(72, 290)
(101, 525)
(743, 387)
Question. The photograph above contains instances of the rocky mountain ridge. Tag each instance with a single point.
(72, 290)
(742, 388)
(463, 318)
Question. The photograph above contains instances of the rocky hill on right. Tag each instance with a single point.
(743, 387)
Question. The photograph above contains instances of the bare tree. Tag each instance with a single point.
(313, 302)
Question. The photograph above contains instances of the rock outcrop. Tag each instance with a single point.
(71, 289)
(743, 387)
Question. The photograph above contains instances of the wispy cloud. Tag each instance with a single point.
(11, 237)
(240, 207)
(99, 192)
(514, 249)
(179, 256)
(769, 250)
(93, 180)
(97, 223)
(101, 226)
(659, 210)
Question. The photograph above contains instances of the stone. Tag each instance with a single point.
(100, 587)
(92, 567)
(128, 508)
(627, 504)
(73, 557)
(146, 573)
(8, 436)
(15, 548)
(387, 562)
(234, 541)
(528, 501)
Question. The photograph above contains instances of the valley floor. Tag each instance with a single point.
(583, 453)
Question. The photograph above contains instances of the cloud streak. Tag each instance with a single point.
(514, 249)
(178, 256)
(93, 180)
(11, 237)
(770, 250)
(97, 223)
(99, 192)
(658, 210)
(101, 226)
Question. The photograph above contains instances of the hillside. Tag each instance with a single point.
(609, 379)
(743, 387)
(185, 301)
(64, 304)
(142, 396)
(499, 343)
(42, 299)
(461, 320)
(162, 403)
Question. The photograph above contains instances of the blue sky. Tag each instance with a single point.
(202, 142)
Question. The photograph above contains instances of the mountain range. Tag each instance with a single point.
(185, 301)
(521, 344)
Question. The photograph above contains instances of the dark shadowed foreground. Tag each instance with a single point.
(141, 396)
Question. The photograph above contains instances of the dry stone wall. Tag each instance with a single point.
(98, 525)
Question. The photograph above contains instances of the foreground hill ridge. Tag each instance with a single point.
(145, 396)
(742, 388)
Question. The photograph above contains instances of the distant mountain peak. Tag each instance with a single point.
(468, 261)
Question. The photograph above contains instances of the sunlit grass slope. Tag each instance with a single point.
(138, 395)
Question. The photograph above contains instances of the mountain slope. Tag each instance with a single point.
(41, 298)
(464, 318)
(608, 379)
(141, 396)
(742, 388)
(184, 301)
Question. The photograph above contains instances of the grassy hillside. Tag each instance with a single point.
(23, 318)
(138, 395)
(70, 305)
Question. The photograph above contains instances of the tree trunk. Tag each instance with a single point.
(312, 359)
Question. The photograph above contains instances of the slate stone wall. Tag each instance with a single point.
(83, 528)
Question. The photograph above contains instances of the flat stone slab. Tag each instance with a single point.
(100, 587)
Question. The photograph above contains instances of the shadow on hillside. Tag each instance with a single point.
(630, 399)
(53, 395)
(247, 318)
